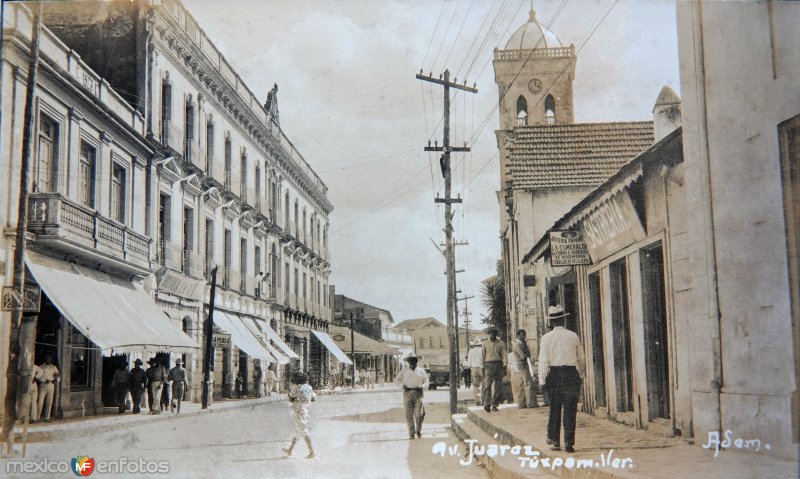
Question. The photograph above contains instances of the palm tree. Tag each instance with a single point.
(493, 296)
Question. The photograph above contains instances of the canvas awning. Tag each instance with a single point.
(274, 337)
(256, 327)
(114, 313)
(241, 335)
(332, 347)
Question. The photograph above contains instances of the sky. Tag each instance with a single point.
(350, 103)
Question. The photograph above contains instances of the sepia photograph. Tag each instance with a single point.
(478, 239)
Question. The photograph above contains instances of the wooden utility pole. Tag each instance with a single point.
(446, 149)
(208, 355)
(353, 350)
(22, 336)
(466, 314)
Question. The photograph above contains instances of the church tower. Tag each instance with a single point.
(534, 74)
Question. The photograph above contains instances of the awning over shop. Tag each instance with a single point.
(241, 335)
(274, 337)
(256, 327)
(114, 313)
(332, 347)
(363, 344)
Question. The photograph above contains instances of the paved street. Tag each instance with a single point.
(355, 435)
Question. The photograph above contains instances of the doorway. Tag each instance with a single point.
(620, 323)
(598, 346)
(110, 366)
(655, 331)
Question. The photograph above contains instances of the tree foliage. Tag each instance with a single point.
(493, 297)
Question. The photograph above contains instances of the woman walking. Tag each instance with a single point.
(301, 395)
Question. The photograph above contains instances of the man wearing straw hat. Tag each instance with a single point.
(177, 377)
(560, 363)
(414, 381)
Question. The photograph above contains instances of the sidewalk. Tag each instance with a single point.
(650, 455)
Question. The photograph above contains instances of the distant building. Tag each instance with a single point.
(433, 346)
(367, 319)
(410, 325)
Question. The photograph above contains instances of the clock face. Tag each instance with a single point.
(535, 85)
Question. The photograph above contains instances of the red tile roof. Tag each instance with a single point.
(582, 154)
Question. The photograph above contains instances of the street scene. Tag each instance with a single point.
(400, 239)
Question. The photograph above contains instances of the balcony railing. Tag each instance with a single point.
(192, 152)
(193, 264)
(53, 215)
(170, 255)
(171, 135)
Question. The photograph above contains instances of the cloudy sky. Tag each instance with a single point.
(350, 103)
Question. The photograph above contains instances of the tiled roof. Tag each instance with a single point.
(583, 154)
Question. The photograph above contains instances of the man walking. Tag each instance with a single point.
(177, 377)
(269, 380)
(47, 387)
(136, 382)
(494, 367)
(560, 363)
(119, 383)
(414, 380)
(155, 375)
(475, 365)
(522, 381)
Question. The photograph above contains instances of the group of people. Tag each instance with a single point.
(368, 377)
(156, 381)
(269, 379)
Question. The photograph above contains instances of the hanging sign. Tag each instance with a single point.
(613, 225)
(28, 299)
(567, 248)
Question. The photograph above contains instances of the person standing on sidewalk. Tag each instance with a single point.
(475, 364)
(560, 366)
(177, 376)
(414, 381)
(136, 382)
(269, 380)
(381, 378)
(47, 387)
(165, 402)
(119, 382)
(522, 381)
(257, 382)
(155, 375)
(494, 367)
(36, 375)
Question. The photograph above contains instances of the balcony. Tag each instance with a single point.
(193, 264)
(193, 153)
(171, 136)
(170, 255)
(64, 224)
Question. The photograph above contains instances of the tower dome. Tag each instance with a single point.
(533, 35)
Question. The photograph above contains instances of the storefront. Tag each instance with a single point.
(90, 323)
(628, 227)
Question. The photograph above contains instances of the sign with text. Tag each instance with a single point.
(613, 225)
(567, 248)
(222, 340)
(28, 299)
(180, 285)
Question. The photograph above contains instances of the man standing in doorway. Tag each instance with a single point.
(475, 365)
(36, 376)
(120, 384)
(136, 381)
(522, 381)
(560, 363)
(414, 381)
(494, 367)
(47, 387)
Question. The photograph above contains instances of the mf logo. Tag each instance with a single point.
(83, 466)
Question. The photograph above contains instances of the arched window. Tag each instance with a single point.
(522, 111)
(187, 326)
(550, 110)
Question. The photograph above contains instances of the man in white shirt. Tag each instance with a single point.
(414, 381)
(521, 380)
(47, 387)
(475, 364)
(560, 363)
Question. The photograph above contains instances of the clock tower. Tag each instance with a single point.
(534, 74)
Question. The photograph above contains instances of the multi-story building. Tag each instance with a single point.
(154, 161)
(547, 164)
(368, 320)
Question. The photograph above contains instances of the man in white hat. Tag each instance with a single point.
(475, 364)
(177, 376)
(560, 366)
(414, 381)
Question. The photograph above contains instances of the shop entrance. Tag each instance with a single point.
(598, 347)
(110, 365)
(243, 371)
(620, 323)
(655, 332)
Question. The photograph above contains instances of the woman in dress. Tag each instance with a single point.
(301, 395)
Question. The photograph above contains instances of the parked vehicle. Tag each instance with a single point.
(439, 376)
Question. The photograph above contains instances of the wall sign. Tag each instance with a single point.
(612, 226)
(180, 285)
(567, 248)
(28, 299)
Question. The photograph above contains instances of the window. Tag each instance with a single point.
(227, 245)
(166, 111)
(305, 287)
(273, 199)
(243, 264)
(87, 172)
(118, 193)
(296, 281)
(243, 176)
(164, 217)
(286, 217)
(188, 229)
(80, 359)
(190, 150)
(259, 268)
(258, 187)
(522, 111)
(441, 341)
(228, 162)
(209, 147)
(430, 341)
(304, 225)
(48, 154)
(656, 339)
(287, 272)
(209, 247)
(296, 218)
(550, 110)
